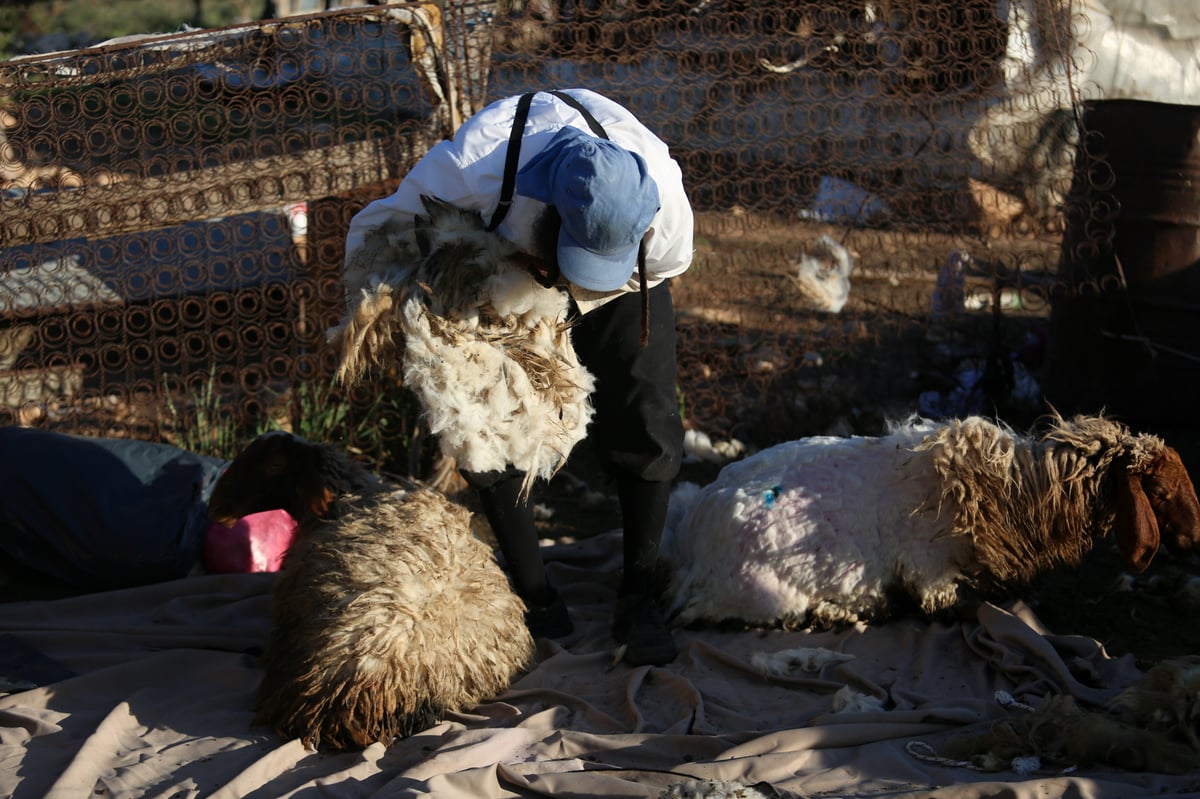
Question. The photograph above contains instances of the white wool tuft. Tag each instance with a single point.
(824, 275)
(697, 445)
(787, 661)
(482, 404)
(513, 293)
(499, 379)
(847, 700)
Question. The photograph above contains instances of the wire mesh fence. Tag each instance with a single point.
(898, 204)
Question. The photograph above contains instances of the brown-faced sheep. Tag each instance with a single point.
(388, 612)
(826, 530)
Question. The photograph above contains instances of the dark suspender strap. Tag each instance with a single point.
(510, 160)
(596, 127)
(514, 148)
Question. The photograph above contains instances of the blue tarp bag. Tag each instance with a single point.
(96, 513)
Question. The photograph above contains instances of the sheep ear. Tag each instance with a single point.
(421, 233)
(1136, 526)
(320, 503)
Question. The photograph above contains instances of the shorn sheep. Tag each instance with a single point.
(485, 348)
(826, 531)
(388, 612)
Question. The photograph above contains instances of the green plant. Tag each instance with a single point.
(380, 428)
(383, 430)
(318, 412)
(388, 430)
(203, 424)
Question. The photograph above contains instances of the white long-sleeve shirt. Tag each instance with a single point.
(467, 171)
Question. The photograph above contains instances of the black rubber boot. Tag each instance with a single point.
(511, 520)
(639, 625)
(643, 514)
(550, 620)
(639, 622)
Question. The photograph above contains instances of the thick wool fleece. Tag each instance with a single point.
(385, 618)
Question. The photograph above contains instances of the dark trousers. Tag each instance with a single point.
(636, 432)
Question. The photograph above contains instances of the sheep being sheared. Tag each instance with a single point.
(485, 348)
(823, 530)
(388, 612)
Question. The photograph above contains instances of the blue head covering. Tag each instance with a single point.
(606, 199)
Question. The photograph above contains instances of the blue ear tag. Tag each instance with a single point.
(770, 495)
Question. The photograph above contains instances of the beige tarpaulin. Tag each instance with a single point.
(165, 676)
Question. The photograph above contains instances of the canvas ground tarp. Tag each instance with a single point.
(153, 691)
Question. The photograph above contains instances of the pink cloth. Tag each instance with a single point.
(255, 543)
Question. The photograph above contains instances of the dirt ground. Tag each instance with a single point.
(758, 364)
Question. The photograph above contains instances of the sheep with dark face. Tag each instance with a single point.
(826, 530)
(388, 612)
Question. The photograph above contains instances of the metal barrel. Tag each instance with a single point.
(1125, 318)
